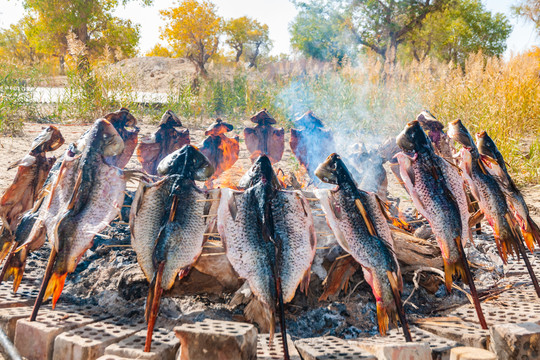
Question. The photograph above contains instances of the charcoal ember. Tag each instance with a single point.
(264, 139)
(132, 284)
(311, 142)
(152, 149)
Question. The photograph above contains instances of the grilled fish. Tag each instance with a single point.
(86, 195)
(494, 163)
(122, 119)
(485, 189)
(264, 139)
(356, 220)
(168, 223)
(221, 150)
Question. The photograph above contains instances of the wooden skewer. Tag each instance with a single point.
(207, 200)
(211, 215)
(322, 247)
(342, 257)
(312, 199)
(319, 215)
(213, 254)
(118, 245)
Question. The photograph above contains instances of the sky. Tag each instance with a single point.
(277, 14)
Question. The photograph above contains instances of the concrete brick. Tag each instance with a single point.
(212, 339)
(35, 339)
(9, 318)
(398, 351)
(89, 342)
(471, 353)
(23, 297)
(461, 332)
(274, 350)
(112, 357)
(495, 314)
(330, 347)
(516, 341)
(164, 346)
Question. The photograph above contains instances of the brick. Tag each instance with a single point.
(461, 332)
(516, 341)
(23, 297)
(35, 339)
(212, 339)
(112, 357)
(274, 350)
(89, 342)
(399, 351)
(9, 318)
(515, 313)
(330, 347)
(471, 353)
(164, 346)
(440, 347)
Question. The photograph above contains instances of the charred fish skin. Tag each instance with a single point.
(485, 189)
(357, 233)
(295, 232)
(496, 166)
(431, 194)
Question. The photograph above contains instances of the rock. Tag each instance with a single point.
(471, 353)
(516, 341)
(212, 339)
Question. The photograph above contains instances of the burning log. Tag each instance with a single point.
(152, 149)
(120, 120)
(311, 142)
(221, 150)
(264, 139)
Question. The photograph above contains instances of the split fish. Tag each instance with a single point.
(168, 223)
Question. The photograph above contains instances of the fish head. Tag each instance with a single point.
(121, 118)
(49, 139)
(486, 145)
(458, 132)
(170, 120)
(260, 171)
(414, 138)
(188, 162)
(333, 171)
(218, 127)
(106, 139)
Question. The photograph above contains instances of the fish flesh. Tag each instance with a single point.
(494, 163)
(356, 220)
(85, 197)
(168, 222)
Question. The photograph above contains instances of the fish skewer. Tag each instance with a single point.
(274, 229)
(430, 186)
(491, 199)
(357, 221)
(167, 226)
(496, 166)
(84, 198)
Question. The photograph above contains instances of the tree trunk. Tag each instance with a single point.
(239, 52)
(253, 57)
(62, 62)
(391, 49)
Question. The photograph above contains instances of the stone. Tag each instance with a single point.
(164, 346)
(213, 339)
(274, 350)
(89, 342)
(516, 341)
(35, 339)
(330, 347)
(471, 353)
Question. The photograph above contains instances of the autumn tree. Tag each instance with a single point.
(247, 37)
(91, 21)
(192, 31)
(461, 28)
(530, 10)
(15, 45)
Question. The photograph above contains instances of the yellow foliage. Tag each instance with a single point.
(159, 50)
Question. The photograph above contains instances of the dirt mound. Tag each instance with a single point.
(154, 73)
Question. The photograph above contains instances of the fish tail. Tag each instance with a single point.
(338, 277)
(535, 231)
(55, 287)
(5, 250)
(304, 284)
(449, 270)
(152, 306)
(14, 266)
(382, 318)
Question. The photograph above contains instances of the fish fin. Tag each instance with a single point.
(14, 164)
(367, 220)
(338, 277)
(261, 314)
(449, 270)
(152, 308)
(174, 206)
(488, 160)
(55, 287)
(534, 230)
(136, 205)
(5, 249)
(382, 319)
(303, 201)
(336, 209)
(304, 284)
(75, 193)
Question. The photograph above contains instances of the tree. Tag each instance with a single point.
(15, 45)
(530, 10)
(461, 28)
(90, 20)
(159, 50)
(247, 37)
(318, 32)
(382, 25)
(192, 31)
